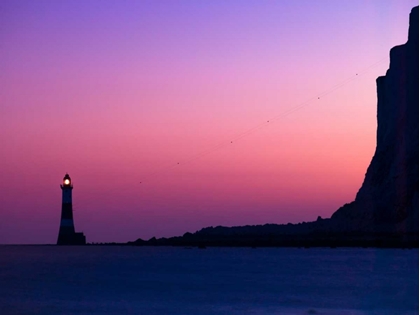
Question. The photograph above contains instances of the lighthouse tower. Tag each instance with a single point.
(67, 234)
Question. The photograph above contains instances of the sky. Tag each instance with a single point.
(269, 107)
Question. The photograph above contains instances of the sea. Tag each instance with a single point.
(177, 280)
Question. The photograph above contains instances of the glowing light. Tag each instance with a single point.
(66, 181)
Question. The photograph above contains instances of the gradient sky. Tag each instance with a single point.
(118, 92)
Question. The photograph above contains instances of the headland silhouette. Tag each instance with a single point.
(385, 212)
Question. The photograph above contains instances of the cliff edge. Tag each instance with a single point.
(388, 200)
(385, 212)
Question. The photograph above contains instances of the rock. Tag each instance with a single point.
(389, 197)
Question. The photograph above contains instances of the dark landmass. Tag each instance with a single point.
(388, 200)
(273, 235)
(385, 212)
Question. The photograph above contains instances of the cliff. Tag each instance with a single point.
(385, 212)
(388, 200)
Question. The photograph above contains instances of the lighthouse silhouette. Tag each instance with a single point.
(67, 234)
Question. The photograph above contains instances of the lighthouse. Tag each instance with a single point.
(67, 234)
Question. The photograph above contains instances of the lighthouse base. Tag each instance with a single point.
(71, 239)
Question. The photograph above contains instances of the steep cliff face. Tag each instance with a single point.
(389, 197)
(386, 209)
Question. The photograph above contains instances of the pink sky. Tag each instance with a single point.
(118, 92)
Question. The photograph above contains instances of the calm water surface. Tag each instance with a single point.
(166, 280)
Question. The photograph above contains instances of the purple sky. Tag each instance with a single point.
(118, 92)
